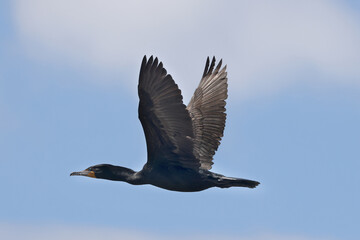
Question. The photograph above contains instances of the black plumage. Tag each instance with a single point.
(181, 140)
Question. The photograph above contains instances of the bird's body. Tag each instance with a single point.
(181, 140)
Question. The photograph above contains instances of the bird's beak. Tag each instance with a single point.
(85, 173)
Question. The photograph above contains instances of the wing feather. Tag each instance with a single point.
(165, 119)
(207, 111)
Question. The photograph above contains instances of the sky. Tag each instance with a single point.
(68, 100)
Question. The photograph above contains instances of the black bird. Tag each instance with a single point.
(181, 140)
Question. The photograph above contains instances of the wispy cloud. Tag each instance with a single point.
(57, 232)
(266, 44)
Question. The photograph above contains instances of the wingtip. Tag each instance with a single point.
(156, 61)
(206, 69)
(218, 66)
(213, 59)
(143, 60)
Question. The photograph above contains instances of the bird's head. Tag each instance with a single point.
(96, 171)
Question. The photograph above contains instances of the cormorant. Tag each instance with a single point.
(181, 140)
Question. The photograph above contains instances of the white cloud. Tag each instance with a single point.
(58, 232)
(265, 43)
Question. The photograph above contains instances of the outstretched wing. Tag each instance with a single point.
(207, 110)
(165, 120)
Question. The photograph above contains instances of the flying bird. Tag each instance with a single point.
(181, 140)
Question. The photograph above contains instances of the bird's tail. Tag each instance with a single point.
(226, 182)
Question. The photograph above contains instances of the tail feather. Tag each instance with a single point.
(226, 182)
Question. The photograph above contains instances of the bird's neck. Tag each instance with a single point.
(124, 174)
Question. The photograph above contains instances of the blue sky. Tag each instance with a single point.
(68, 76)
